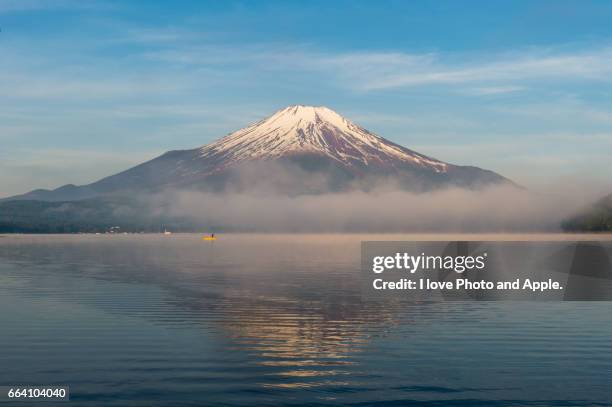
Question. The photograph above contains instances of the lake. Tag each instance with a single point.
(153, 320)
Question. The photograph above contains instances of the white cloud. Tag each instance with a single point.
(493, 90)
(561, 110)
(34, 86)
(530, 65)
(367, 71)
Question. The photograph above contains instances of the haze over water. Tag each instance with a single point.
(145, 320)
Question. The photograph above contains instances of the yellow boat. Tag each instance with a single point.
(209, 238)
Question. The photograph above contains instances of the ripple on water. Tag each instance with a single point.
(269, 320)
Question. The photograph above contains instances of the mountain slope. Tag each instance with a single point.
(314, 130)
(299, 149)
(597, 218)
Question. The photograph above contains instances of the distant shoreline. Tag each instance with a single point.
(425, 236)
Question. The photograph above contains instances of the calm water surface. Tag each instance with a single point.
(275, 320)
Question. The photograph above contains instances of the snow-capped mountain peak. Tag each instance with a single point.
(300, 114)
(306, 143)
(300, 129)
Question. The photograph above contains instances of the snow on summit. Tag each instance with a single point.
(301, 129)
(315, 140)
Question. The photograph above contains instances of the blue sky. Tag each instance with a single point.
(89, 88)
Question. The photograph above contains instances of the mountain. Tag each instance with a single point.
(597, 218)
(299, 149)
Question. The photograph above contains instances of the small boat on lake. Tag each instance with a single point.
(212, 237)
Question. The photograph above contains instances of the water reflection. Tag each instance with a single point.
(270, 302)
(274, 318)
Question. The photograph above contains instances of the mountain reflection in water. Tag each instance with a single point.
(274, 319)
